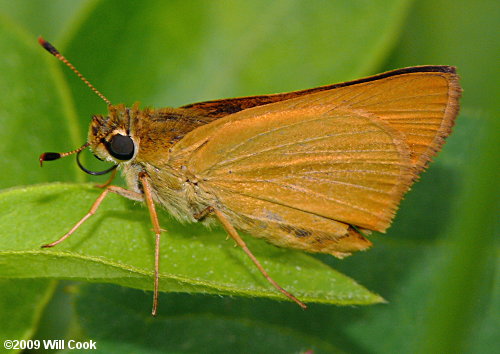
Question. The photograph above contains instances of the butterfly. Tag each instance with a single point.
(316, 170)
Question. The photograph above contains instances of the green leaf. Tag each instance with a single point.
(179, 52)
(190, 324)
(53, 19)
(31, 110)
(117, 246)
(25, 75)
(468, 257)
(21, 305)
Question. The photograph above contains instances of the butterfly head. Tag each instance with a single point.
(110, 137)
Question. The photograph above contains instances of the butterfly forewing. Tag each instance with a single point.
(419, 102)
(304, 170)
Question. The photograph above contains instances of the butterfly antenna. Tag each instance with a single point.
(51, 156)
(52, 50)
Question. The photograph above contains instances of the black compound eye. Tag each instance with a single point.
(121, 147)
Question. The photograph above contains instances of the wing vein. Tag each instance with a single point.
(355, 185)
(277, 147)
(303, 190)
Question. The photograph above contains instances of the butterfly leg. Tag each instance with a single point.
(157, 230)
(108, 182)
(236, 237)
(114, 189)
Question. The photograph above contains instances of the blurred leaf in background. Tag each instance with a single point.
(436, 266)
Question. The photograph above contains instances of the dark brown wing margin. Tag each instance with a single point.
(223, 107)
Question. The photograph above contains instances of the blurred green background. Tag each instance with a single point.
(437, 266)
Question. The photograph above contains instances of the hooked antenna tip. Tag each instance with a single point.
(47, 46)
(49, 156)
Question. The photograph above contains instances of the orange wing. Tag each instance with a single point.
(335, 164)
(420, 102)
(422, 106)
(316, 164)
